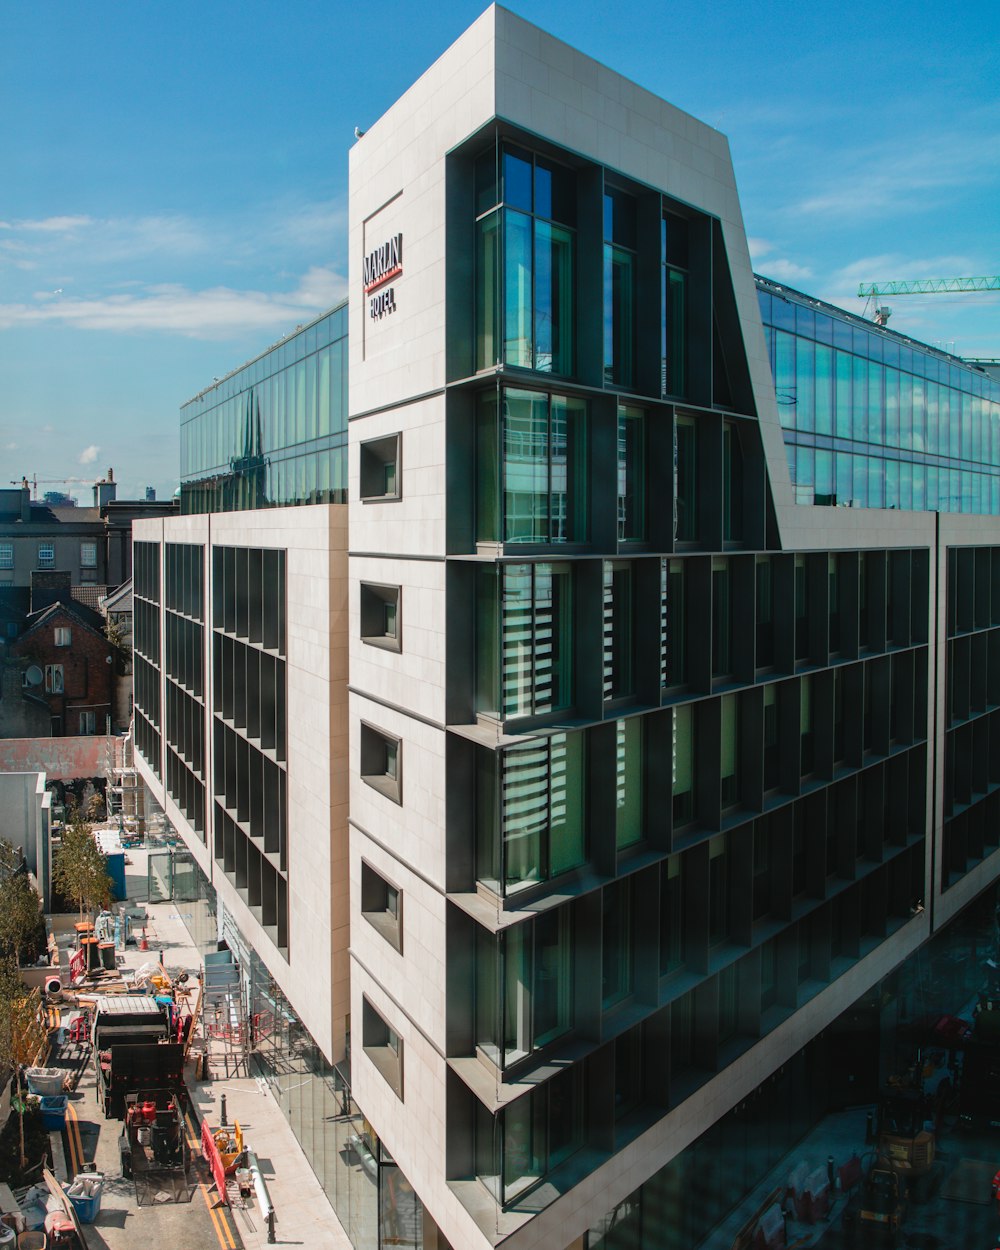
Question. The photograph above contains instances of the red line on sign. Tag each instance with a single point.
(392, 273)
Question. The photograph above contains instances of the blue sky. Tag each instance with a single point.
(173, 178)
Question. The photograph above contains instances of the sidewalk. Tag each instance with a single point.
(304, 1215)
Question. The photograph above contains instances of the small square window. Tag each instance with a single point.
(46, 555)
(64, 636)
(88, 723)
(88, 555)
(382, 905)
(380, 623)
(383, 1046)
(6, 555)
(382, 762)
(381, 468)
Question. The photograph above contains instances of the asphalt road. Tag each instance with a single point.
(187, 1219)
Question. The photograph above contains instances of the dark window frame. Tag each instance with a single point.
(378, 895)
(375, 455)
(382, 761)
(375, 597)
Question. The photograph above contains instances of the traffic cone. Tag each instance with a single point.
(143, 943)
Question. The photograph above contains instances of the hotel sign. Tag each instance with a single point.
(381, 266)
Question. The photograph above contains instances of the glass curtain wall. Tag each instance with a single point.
(536, 791)
(273, 432)
(524, 990)
(525, 639)
(874, 420)
(531, 466)
(526, 242)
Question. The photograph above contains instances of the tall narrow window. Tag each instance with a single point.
(730, 750)
(543, 472)
(628, 782)
(543, 809)
(617, 941)
(683, 764)
(671, 915)
(761, 903)
(618, 631)
(537, 639)
(765, 612)
(673, 327)
(552, 980)
(808, 757)
(772, 775)
(718, 889)
(732, 483)
(722, 652)
(685, 481)
(833, 573)
(527, 318)
(675, 659)
(801, 609)
(631, 473)
(619, 288)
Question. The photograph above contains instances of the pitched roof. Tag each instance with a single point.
(87, 617)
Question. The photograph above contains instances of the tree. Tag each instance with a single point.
(19, 915)
(20, 1033)
(117, 635)
(81, 870)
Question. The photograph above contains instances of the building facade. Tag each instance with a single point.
(601, 763)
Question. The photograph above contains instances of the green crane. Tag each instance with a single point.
(871, 291)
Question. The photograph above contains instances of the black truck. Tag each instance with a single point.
(133, 1050)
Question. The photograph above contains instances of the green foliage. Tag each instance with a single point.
(117, 636)
(22, 929)
(81, 870)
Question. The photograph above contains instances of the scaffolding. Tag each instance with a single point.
(123, 793)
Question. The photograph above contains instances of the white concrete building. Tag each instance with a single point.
(565, 763)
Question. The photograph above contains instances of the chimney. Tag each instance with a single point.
(105, 490)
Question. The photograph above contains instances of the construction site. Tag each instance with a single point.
(138, 1061)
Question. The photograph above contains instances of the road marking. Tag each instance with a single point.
(220, 1216)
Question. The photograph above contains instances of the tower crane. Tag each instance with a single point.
(34, 481)
(871, 291)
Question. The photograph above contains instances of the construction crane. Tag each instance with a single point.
(35, 480)
(870, 292)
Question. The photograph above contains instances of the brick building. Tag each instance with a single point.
(66, 664)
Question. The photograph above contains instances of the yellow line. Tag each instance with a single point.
(218, 1216)
(219, 1220)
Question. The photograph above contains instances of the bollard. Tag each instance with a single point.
(870, 1129)
(270, 1228)
(225, 1122)
(830, 1173)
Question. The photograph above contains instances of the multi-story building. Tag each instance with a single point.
(656, 762)
(92, 544)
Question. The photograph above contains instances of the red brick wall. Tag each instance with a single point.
(87, 675)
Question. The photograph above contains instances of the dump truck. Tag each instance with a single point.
(133, 1050)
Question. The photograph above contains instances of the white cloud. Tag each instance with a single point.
(759, 248)
(49, 225)
(786, 270)
(929, 169)
(10, 446)
(89, 454)
(213, 313)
